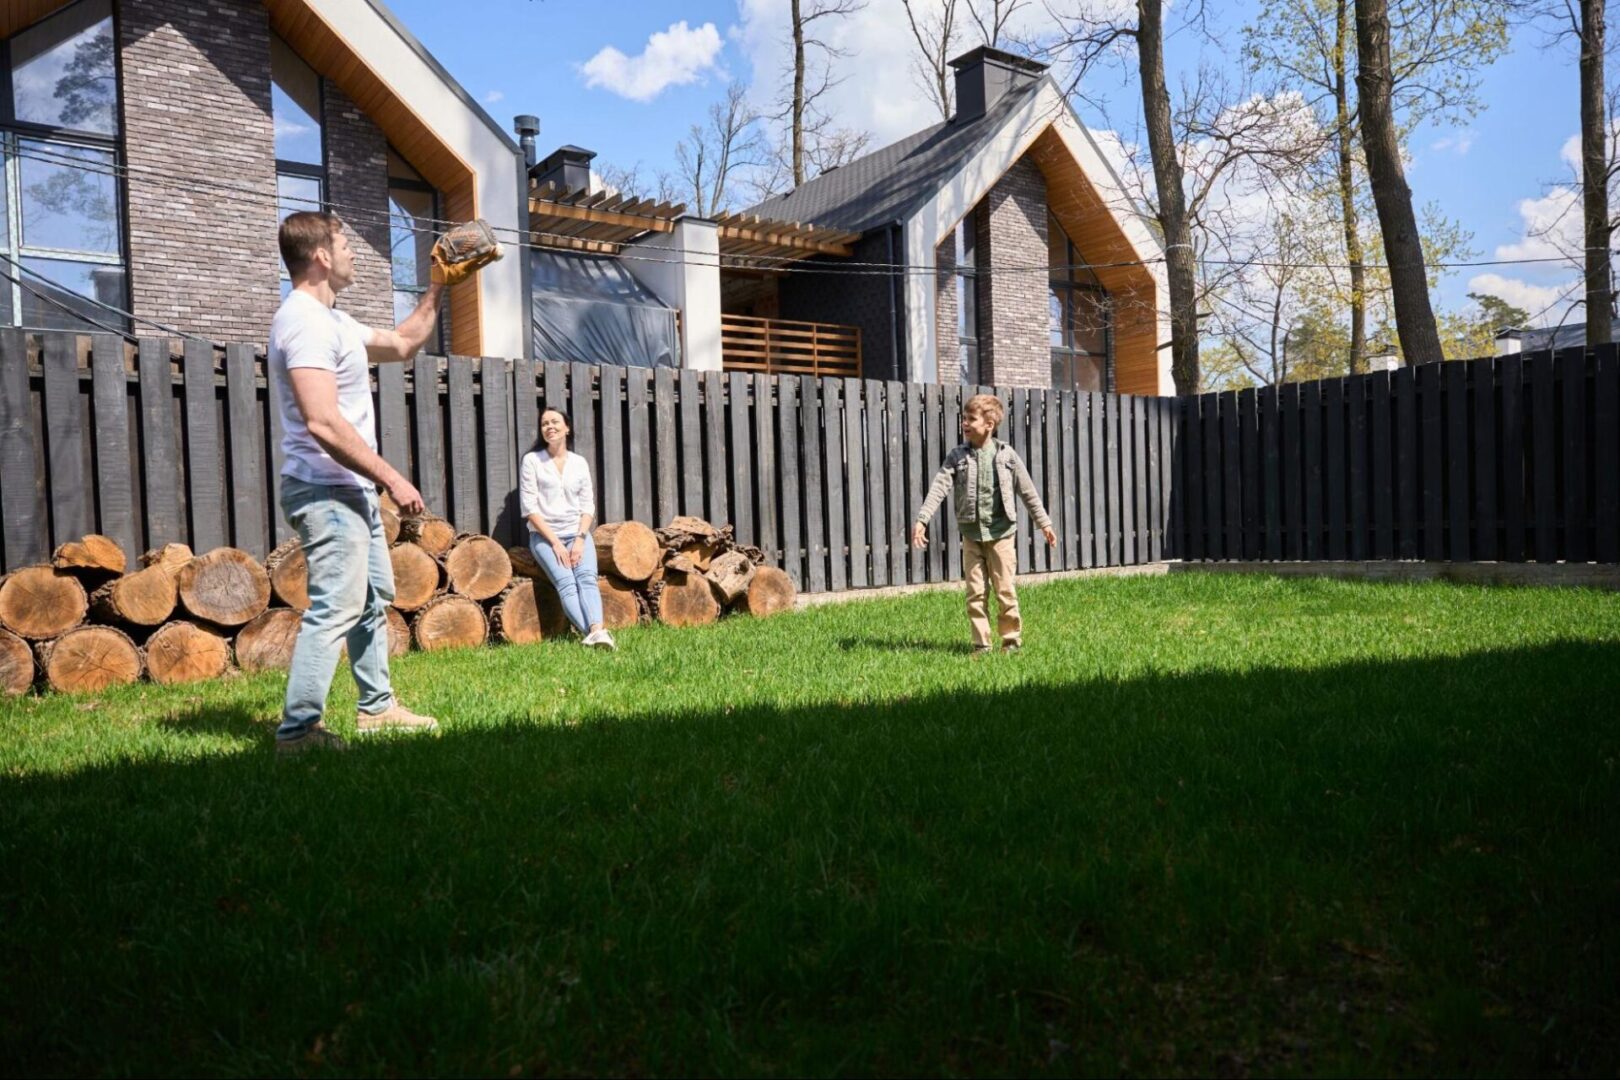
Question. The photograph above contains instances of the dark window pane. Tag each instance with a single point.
(69, 197)
(63, 73)
(967, 308)
(411, 236)
(1057, 249)
(1088, 373)
(400, 169)
(1057, 302)
(1091, 322)
(295, 105)
(968, 364)
(296, 194)
(76, 286)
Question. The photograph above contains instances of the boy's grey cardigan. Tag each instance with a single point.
(960, 475)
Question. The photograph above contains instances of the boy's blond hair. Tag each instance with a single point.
(986, 405)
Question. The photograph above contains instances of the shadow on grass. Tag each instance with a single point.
(1379, 867)
(231, 720)
(879, 643)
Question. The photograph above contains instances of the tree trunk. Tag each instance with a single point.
(686, 600)
(16, 664)
(266, 643)
(798, 95)
(449, 622)
(1403, 244)
(144, 598)
(1347, 192)
(730, 575)
(182, 652)
(90, 658)
(1595, 175)
(418, 576)
(95, 552)
(289, 573)
(1169, 184)
(622, 604)
(226, 586)
(39, 602)
(478, 567)
(628, 549)
(771, 591)
(431, 532)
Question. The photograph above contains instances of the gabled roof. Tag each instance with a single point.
(888, 185)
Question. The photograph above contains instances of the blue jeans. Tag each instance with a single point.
(351, 584)
(576, 585)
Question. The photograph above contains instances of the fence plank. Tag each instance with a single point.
(1129, 477)
(1015, 428)
(832, 478)
(1167, 454)
(1193, 440)
(1253, 489)
(1432, 450)
(525, 408)
(1271, 518)
(918, 472)
(792, 495)
(22, 475)
(613, 481)
(1036, 463)
(878, 527)
(667, 462)
(462, 444)
(1231, 476)
(1151, 491)
(691, 427)
(1510, 374)
(1544, 444)
(1458, 493)
(858, 484)
(1310, 403)
(933, 455)
(582, 406)
(499, 442)
(638, 441)
(1380, 402)
(1572, 370)
(814, 490)
(1335, 467)
(204, 484)
(1606, 454)
(1210, 422)
(1291, 461)
(1070, 482)
(425, 407)
(1052, 455)
(741, 458)
(1483, 375)
(246, 443)
(763, 416)
(160, 447)
(392, 433)
(714, 448)
(68, 487)
(1111, 457)
(110, 416)
(1355, 395)
(899, 512)
(1408, 466)
(950, 421)
(556, 384)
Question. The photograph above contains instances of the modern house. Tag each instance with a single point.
(152, 146)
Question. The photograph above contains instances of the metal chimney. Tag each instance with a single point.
(569, 167)
(527, 127)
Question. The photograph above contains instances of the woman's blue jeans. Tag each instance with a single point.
(351, 584)
(576, 585)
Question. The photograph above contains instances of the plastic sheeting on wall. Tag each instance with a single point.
(590, 310)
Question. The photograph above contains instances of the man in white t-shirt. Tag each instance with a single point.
(319, 364)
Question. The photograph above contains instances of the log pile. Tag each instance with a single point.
(86, 621)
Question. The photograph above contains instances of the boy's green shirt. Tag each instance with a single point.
(993, 522)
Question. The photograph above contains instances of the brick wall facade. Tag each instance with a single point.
(946, 336)
(196, 109)
(856, 299)
(357, 189)
(1014, 330)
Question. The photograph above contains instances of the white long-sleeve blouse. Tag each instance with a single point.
(558, 498)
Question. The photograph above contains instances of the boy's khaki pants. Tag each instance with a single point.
(1000, 559)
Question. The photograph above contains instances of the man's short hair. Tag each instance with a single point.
(986, 405)
(303, 234)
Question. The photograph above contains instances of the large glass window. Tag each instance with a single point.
(1080, 318)
(61, 240)
(413, 211)
(295, 113)
(967, 303)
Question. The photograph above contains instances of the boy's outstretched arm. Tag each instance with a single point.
(937, 491)
(1032, 500)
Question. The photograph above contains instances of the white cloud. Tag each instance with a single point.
(1550, 226)
(673, 57)
(1459, 143)
(494, 96)
(1545, 303)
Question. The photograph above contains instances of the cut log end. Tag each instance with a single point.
(289, 574)
(399, 634)
(478, 567)
(94, 552)
(528, 611)
(390, 521)
(170, 556)
(266, 643)
(90, 658)
(418, 576)
(433, 533)
(627, 549)
(523, 564)
(227, 586)
(449, 622)
(182, 652)
(622, 603)
(16, 664)
(145, 598)
(686, 600)
(41, 602)
(730, 575)
(771, 591)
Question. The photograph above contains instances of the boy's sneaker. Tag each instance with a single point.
(981, 650)
(395, 718)
(1011, 647)
(315, 737)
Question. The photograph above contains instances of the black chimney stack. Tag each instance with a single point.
(527, 127)
(569, 167)
(985, 75)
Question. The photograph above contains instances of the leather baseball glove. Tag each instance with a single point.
(463, 251)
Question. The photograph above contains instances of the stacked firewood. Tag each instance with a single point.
(86, 621)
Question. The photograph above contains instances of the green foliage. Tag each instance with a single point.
(1201, 824)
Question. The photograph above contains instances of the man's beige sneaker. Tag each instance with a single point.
(395, 718)
(315, 737)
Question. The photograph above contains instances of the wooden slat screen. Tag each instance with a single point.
(786, 347)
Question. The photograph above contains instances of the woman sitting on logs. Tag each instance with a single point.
(557, 500)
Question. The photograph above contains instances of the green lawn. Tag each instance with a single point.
(1201, 825)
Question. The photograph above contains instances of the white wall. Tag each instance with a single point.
(682, 268)
(410, 78)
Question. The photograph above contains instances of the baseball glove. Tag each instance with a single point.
(463, 251)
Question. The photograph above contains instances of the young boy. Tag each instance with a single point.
(985, 474)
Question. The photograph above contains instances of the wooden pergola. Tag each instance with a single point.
(602, 223)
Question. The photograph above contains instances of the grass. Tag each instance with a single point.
(1200, 825)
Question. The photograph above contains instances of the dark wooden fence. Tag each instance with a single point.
(150, 446)
(1513, 459)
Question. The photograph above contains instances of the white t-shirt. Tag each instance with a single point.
(559, 498)
(307, 334)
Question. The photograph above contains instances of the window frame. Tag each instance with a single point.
(302, 170)
(1068, 289)
(421, 187)
(965, 261)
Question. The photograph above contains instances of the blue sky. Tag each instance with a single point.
(675, 56)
